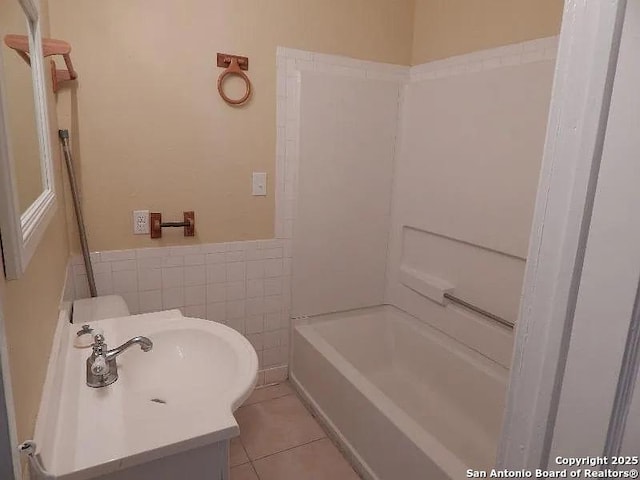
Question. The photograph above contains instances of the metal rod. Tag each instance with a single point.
(175, 224)
(472, 307)
(64, 136)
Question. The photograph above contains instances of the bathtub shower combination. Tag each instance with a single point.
(405, 286)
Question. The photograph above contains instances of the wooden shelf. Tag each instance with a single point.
(50, 47)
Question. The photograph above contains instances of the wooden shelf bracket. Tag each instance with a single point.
(50, 47)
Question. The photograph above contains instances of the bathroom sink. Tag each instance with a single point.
(175, 398)
(184, 360)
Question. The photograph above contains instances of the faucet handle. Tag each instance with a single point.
(99, 366)
(86, 328)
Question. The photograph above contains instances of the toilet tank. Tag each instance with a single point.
(88, 310)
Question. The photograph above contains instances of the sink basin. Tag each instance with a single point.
(183, 361)
(179, 396)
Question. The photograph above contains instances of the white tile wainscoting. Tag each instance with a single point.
(245, 285)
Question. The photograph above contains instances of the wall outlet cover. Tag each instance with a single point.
(141, 222)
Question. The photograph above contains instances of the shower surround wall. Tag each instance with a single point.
(469, 133)
(347, 142)
(473, 131)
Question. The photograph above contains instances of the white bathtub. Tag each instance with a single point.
(405, 400)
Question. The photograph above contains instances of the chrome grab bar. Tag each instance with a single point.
(470, 306)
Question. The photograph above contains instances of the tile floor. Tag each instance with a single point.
(280, 440)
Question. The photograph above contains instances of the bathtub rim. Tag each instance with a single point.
(488, 365)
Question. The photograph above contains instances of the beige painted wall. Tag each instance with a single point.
(31, 303)
(443, 28)
(151, 132)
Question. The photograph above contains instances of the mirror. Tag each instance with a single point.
(20, 109)
(27, 195)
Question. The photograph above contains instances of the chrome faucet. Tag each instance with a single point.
(102, 369)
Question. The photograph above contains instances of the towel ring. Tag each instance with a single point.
(234, 69)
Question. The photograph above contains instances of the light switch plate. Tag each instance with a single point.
(259, 185)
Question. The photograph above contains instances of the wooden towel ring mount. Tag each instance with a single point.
(234, 66)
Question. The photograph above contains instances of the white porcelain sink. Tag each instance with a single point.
(177, 397)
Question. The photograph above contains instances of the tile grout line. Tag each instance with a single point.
(253, 467)
(324, 437)
(251, 461)
(268, 400)
(240, 438)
